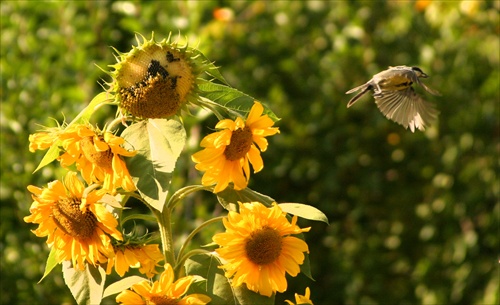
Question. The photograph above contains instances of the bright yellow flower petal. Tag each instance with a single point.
(258, 248)
(76, 228)
(302, 299)
(97, 155)
(129, 297)
(255, 113)
(165, 289)
(228, 153)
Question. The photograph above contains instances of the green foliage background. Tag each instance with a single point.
(414, 217)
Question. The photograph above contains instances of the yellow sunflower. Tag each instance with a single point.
(228, 152)
(302, 299)
(164, 291)
(97, 154)
(258, 249)
(144, 257)
(78, 227)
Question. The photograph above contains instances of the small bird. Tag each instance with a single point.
(396, 99)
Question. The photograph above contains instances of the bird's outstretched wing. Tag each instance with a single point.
(405, 107)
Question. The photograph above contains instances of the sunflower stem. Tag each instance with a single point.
(182, 259)
(113, 123)
(165, 229)
(195, 231)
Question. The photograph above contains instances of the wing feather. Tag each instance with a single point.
(406, 108)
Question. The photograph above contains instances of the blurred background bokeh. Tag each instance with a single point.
(414, 218)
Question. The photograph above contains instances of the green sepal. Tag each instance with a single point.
(51, 263)
(49, 156)
(210, 69)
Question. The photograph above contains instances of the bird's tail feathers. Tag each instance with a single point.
(364, 88)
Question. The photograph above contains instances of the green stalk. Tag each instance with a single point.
(167, 241)
(194, 232)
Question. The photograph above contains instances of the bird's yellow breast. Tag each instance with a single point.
(395, 82)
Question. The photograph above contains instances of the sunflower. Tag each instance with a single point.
(156, 79)
(165, 291)
(258, 249)
(145, 257)
(228, 152)
(302, 299)
(97, 154)
(77, 226)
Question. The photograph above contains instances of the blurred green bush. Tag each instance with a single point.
(414, 217)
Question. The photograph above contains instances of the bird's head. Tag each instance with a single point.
(419, 72)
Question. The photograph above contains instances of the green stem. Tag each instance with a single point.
(182, 193)
(111, 125)
(182, 259)
(195, 231)
(165, 229)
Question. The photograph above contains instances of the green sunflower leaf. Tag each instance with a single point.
(305, 268)
(51, 263)
(159, 143)
(122, 285)
(86, 286)
(217, 286)
(304, 211)
(231, 99)
(229, 198)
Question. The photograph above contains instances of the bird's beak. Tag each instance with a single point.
(423, 75)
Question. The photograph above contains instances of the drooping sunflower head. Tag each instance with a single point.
(77, 225)
(156, 79)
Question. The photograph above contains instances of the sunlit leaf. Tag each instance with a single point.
(232, 99)
(229, 198)
(111, 201)
(159, 143)
(51, 263)
(217, 286)
(86, 286)
(122, 285)
(304, 211)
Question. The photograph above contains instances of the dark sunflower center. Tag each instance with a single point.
(161, 300)
(241, 141)
(100, 158)
(70, 219)
(155, 97)
(264, 246)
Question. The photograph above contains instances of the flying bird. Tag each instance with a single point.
(396, 98)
